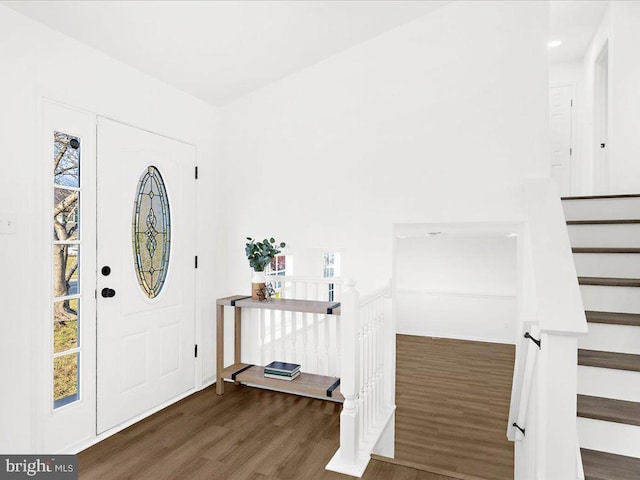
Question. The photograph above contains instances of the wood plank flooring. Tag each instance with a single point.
(246, 434)
(452, 400)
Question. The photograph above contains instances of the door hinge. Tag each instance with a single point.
(195, 351)
(572, 102)
(196, 263)
(570, 151)
(196, 173)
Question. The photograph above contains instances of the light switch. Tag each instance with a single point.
(7, 224)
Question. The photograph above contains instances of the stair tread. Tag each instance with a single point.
(605, 250)
(592, 197)
(614, 360)
(608, 466)
(613, 318)
(610, 281)
(602, 222)
(609, 409)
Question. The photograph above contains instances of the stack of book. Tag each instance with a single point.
(282, 371)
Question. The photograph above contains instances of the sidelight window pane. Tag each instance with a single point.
(66, 214)
(66, 160)
(65, 325)
(66, 379)
(66, 279)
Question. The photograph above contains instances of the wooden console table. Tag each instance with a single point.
(307, 384)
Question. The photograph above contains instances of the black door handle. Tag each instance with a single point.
(108, 292)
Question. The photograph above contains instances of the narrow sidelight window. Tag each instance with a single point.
(66, 348)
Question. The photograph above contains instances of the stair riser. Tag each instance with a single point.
(618, 235)
(611, 338)
(611, 299)
(615, 265)
(609, 383)
(602, 209)
(609, 437)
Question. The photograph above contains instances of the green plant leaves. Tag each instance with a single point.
(260, 254)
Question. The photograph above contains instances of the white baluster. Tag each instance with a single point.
(316, 343)
(283, 335)
(327, 335)
(305, 340)
(362, 377)
(294, 335)
(272, 328)
(263, 335)
(338, 356)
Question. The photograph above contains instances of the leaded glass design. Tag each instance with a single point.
(151, 232)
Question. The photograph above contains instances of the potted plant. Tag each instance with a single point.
(260, 254)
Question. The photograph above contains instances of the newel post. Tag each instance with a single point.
(349, 382)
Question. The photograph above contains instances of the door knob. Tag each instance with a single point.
(108, 292)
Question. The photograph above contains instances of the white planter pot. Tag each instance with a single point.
(258, 281)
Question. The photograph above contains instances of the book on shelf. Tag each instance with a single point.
(286, 378)
(279, 373)
(282, 367)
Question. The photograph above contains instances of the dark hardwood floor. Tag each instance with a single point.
(452, 407)
(452, 399)
(246, 434)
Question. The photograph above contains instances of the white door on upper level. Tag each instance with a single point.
(146, 275)
(560, 109)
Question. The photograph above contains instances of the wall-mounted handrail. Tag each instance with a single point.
(523, 381)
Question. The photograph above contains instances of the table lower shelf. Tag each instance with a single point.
(307, 384)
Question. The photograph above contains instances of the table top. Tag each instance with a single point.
(282, 304)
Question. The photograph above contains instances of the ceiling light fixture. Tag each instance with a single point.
(554, 43)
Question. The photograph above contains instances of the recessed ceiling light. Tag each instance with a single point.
(554, 43)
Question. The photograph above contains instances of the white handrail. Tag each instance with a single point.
(523, 381)
(305, 279)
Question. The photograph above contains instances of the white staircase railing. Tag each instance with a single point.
(312, 340)
(367, 349)
(358, 346)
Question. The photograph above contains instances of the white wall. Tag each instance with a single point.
(457, 286)
(439, 119)
(600, 38)
(39, 62)
(624, 174)
(621, 28)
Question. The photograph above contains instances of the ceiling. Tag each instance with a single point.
(574, 23)
(221, 50)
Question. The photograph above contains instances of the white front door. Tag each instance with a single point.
(146, 275)
(561, 149)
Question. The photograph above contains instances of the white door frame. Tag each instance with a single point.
(46, 423)
(601, 130)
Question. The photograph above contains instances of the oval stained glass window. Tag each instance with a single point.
(151, 232)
